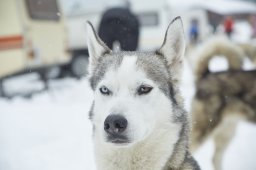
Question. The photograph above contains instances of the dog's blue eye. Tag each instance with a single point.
(104, 90)
(144, 89)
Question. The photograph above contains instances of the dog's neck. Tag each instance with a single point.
(151, 153)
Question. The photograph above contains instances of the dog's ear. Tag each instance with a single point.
(173, 48)
(96, 47)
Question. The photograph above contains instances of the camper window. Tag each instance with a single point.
(148, 19)
(43, 9)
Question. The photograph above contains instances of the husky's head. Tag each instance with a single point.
(134, 92)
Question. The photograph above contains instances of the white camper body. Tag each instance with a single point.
(154, 17)
(32, 36)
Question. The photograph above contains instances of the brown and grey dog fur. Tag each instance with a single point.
(249, 50)
(222, 98)
(155, 135)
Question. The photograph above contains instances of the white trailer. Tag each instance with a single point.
(32, 36)
(154, 17)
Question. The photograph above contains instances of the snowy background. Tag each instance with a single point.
(51, 131)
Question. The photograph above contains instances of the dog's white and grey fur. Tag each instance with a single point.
(142, 88)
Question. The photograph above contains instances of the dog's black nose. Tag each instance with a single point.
(115, 124)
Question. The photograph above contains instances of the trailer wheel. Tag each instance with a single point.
(51, 72)
(2, 94)
(79, 66)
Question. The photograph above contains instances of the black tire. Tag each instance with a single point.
(51, 72)
(79, 66)
(2, 94)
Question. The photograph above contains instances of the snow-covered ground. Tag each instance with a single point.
(51, 131)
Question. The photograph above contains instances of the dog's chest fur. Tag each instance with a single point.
(151, 154)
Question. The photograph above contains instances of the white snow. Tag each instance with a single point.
(221, 66)
(51, 131)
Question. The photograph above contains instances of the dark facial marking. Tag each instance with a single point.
(105, 62)
(156, 70)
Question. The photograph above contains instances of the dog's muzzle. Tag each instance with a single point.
(115, 126)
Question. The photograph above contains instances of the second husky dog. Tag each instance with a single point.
(138, 118)
(222, 99)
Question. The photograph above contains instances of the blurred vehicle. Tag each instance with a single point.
(153, 18)
(32, 37)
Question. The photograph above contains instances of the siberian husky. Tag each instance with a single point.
(224, 98)
(139, 122)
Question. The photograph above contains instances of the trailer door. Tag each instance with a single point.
(11, 39)
(46, 32)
